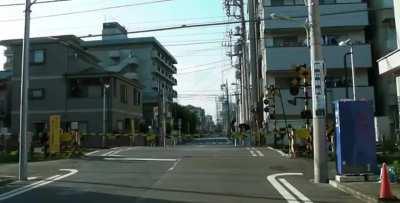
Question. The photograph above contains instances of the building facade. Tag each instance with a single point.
(148, 60)
(286, 46)
(383, 39)
(389, 65)
(68, 81)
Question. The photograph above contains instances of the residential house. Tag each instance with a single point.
(68, 81)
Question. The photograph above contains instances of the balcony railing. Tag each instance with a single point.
(284, 58)
(332, 15)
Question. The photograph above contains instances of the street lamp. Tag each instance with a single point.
(105, 87)
(348, 43)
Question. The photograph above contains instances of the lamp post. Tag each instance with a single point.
(347, 43)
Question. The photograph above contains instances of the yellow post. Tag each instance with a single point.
(54, 134)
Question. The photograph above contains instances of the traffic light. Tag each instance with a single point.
(294, 87)
(303, 72)
(306, 114)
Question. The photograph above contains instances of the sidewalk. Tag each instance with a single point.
(366, 191)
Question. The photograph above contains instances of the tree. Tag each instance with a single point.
(188, 118)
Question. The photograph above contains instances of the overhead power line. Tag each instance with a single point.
(35, 2)
(185, 26)
(88, 10)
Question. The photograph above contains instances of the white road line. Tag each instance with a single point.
(253, 153)
(279, 151)
(115, 152)
(285, 194)
(107, 153)
(173, 166)
(138, 159)
(90, 153)
(33, 178)
(259, 153)
(296, 192)
(32, 186)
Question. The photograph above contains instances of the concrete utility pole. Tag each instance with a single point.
(228, 127)
(245, 70)
(318, 94)
(23, 111)
(253, 65)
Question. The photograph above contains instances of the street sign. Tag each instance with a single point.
(319, 81)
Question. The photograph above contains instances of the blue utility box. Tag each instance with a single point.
(355, 137)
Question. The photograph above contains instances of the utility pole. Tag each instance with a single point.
(245, 68)
(23, 111)
(253, 64)
(228, 115)
(318, 94)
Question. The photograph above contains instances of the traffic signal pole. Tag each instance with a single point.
(318, 94)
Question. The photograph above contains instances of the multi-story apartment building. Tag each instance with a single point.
(286, 46)
(389, 66)
(201, 117)
(148, 61)
(67, 80)
(382, 32)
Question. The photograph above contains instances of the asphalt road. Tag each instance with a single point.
(189, 173)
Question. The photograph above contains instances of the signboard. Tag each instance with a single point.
(54, 134)
(319, 88)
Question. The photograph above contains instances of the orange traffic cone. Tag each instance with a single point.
(385, 192)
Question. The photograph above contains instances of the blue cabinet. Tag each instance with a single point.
(355, 137)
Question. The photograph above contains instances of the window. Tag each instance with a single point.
(37, 56)
(114, 86)
(36, 93)
(123, 94)
(287, 41)
(136, 97)
(78, 90)
(120, 125)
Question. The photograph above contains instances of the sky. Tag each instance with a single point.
(202, 61)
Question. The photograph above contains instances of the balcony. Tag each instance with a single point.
(350, 13)
(278, 60)
(164, 62)
(362, 92)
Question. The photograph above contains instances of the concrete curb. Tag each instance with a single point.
(355, 193)
(6, 180)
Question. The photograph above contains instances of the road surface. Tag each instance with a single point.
(201, 172)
